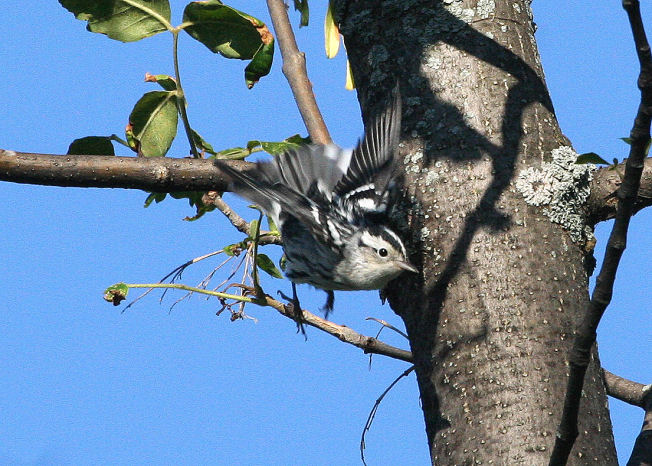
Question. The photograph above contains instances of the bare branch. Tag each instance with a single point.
(161, 174)
(602, 201)
(374, 409)
(294, 69)
(343, 333)
(238, 222)
(579, 356)
(626, 390)
(157, 174)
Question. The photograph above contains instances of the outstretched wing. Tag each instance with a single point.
(312, 170)
(275, 188)
(326, 188)
(367, 185)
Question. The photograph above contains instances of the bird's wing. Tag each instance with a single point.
(280, 198)
(373, 165)
(312, 170)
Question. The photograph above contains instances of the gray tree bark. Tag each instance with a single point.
(504, 280)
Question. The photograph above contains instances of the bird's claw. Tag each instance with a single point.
(294, 307)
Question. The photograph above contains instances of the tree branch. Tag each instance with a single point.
(213, 197)
(157, 174)
(580, 353)
(622, 389)
(639, 395)
(294, 69)
(343, 333)
(164, 174)
(602, 201)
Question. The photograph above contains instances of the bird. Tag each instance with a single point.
(332, 207)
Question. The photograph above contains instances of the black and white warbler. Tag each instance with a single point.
(331, 206)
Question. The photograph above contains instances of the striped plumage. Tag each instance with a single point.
(331, 206)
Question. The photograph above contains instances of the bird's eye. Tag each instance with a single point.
(382, 252)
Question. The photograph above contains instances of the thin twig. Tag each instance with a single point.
(180, 286)
(341, 332)
(176, 273)
(372, 413)
(238, 222)
(389, 326)
(384, 324)
(202, 284)
(254, 266)
(230, 277)
(294, 69)
(580, 353)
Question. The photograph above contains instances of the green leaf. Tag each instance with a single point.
(201, 144)
(165, 81)
(232, 34)
(647, 146)
(302, 6)
(261, 64)
(233, 249)
(154, 123)
(274, 148)
(298, 140)
(123, 20)
(253, 227)
(91, 145)
(116, 293)
(282, 262)
(272, 226)
(277, 148)
(251, 145)
(235, 153)
(132, 142)
(154, 197)
(222, 29)
(201, 210)
(590, 157)
(266, 264)
(195, 199)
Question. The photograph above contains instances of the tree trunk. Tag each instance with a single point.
(492, 318)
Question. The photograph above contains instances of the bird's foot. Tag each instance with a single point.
(330, 301)
(294, 307)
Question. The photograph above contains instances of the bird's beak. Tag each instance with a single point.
(407, 266)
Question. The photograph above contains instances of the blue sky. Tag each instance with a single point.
(86, 384)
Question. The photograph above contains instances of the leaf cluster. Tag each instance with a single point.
(153, 121)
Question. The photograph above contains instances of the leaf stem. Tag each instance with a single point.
(259, 291)
(181, 97)
(184, 25)
(193, 289)
(116, 138)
